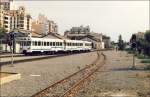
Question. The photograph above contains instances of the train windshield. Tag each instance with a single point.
(26, 43)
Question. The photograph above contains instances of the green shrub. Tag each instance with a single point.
(145, 61)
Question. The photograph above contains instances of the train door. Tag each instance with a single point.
(65, 44)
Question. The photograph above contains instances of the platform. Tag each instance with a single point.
(6, 77)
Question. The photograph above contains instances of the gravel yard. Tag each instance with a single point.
(117, 79)
(37, 75)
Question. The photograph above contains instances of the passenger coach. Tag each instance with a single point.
(29, 45)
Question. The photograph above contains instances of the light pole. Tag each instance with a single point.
(12, 55)
(12, 48)
(133, 65)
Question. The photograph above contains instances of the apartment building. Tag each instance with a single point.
(15, 19)
(5, 4)
(44, 26)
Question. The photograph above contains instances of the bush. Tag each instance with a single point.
(141, 56)
(145, 61)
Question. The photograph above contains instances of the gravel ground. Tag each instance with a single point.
(117, 79)
(37, 75)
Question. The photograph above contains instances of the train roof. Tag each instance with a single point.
(50, 39)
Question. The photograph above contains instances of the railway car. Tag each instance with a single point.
(30, 45)
(77, 45)
(40, 45)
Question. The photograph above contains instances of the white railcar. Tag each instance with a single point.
(31, 45)
(77, 45)
(47, 45)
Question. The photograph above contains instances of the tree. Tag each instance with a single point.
(2, 36)
(147, 36)
(120, 43)
(147, 46)
(2, 33)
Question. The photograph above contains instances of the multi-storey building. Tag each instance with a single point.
(14, 19)
(5, 4)
(44, 26)
(83, 33)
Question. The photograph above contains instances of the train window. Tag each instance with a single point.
(80, 44)
(57, 44)
(60, 43)
(50, 43)
(47, 43)
(44, 43)
(53, 43)
(24, 43)
(28, 43)
(35, 43)
(21, 43)
(39, 43)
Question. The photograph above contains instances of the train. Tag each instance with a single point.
(33, 45)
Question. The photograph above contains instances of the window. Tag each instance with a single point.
(6, 18)
(53, 43)
(47, 43)
(28, 43)
(57, 43)
(6, 22)
(35, 43)
(6, 26)
(60, 43)
(50, 43)
(39, 43)
(44, 43)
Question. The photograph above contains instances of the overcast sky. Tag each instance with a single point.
(108, 17)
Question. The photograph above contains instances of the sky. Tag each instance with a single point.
(110, 18)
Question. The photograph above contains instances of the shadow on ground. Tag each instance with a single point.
(131, 69)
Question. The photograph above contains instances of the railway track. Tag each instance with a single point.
(37, 58)
(72, 84)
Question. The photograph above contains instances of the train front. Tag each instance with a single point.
(25, 45)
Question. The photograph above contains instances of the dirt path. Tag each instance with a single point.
(117, 79)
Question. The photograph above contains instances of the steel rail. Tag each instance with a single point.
(48, 89)
(74, 89)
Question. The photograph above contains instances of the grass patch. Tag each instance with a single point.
(141, 56)
(129, 51)
(145, 61)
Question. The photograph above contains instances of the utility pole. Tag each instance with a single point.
(133, 45)
(12, 54)
(12, 48)
(133, 65)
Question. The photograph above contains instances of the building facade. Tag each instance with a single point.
(44, 26)
(83, 33)
(5, 4)
(107, 41)
(14, 19)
